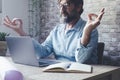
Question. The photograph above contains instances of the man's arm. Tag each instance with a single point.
(46, 48)
(88, 42)
(83, 53)
(42, 50)
(90, 26)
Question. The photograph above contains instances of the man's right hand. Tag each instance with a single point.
(15, 24)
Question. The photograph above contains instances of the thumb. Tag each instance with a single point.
(91, 15)
(17, 21)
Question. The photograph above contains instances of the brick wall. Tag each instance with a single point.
(109, 30)
(49, 17)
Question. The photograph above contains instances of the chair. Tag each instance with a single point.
(100, 50)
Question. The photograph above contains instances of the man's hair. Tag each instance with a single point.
(77, 3)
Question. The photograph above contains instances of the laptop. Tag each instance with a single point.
(22, 51)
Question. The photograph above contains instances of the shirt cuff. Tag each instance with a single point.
(80, 45)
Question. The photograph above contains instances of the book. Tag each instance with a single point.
(69, 67)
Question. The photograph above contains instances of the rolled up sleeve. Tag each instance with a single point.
(44, 49)
(83, 53)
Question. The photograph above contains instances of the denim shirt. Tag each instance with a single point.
(66, 45)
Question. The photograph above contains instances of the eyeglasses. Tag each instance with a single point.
(65, 5)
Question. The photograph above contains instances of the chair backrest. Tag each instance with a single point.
(100, 50)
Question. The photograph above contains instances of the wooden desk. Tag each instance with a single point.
(100, 72)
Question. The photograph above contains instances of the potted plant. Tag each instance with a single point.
(3, 45)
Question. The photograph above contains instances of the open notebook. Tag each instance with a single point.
(69, 67)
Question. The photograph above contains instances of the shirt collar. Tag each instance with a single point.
(79, 24)
(76, 27)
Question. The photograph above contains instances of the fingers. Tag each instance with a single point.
(7, 20)
(91, 15)
(101, 14)
(6, 24)
(102, 10)
(15, 20)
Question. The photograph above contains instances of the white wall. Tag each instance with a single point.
(15, 8)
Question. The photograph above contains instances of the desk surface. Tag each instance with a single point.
(35, 73)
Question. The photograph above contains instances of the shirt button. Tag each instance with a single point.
(78, 49)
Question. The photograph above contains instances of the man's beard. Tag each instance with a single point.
(67, 18)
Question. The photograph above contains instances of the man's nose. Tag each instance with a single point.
(63, 8)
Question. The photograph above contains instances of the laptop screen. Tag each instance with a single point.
(22, 50)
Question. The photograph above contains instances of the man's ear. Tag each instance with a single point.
(79, 7)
